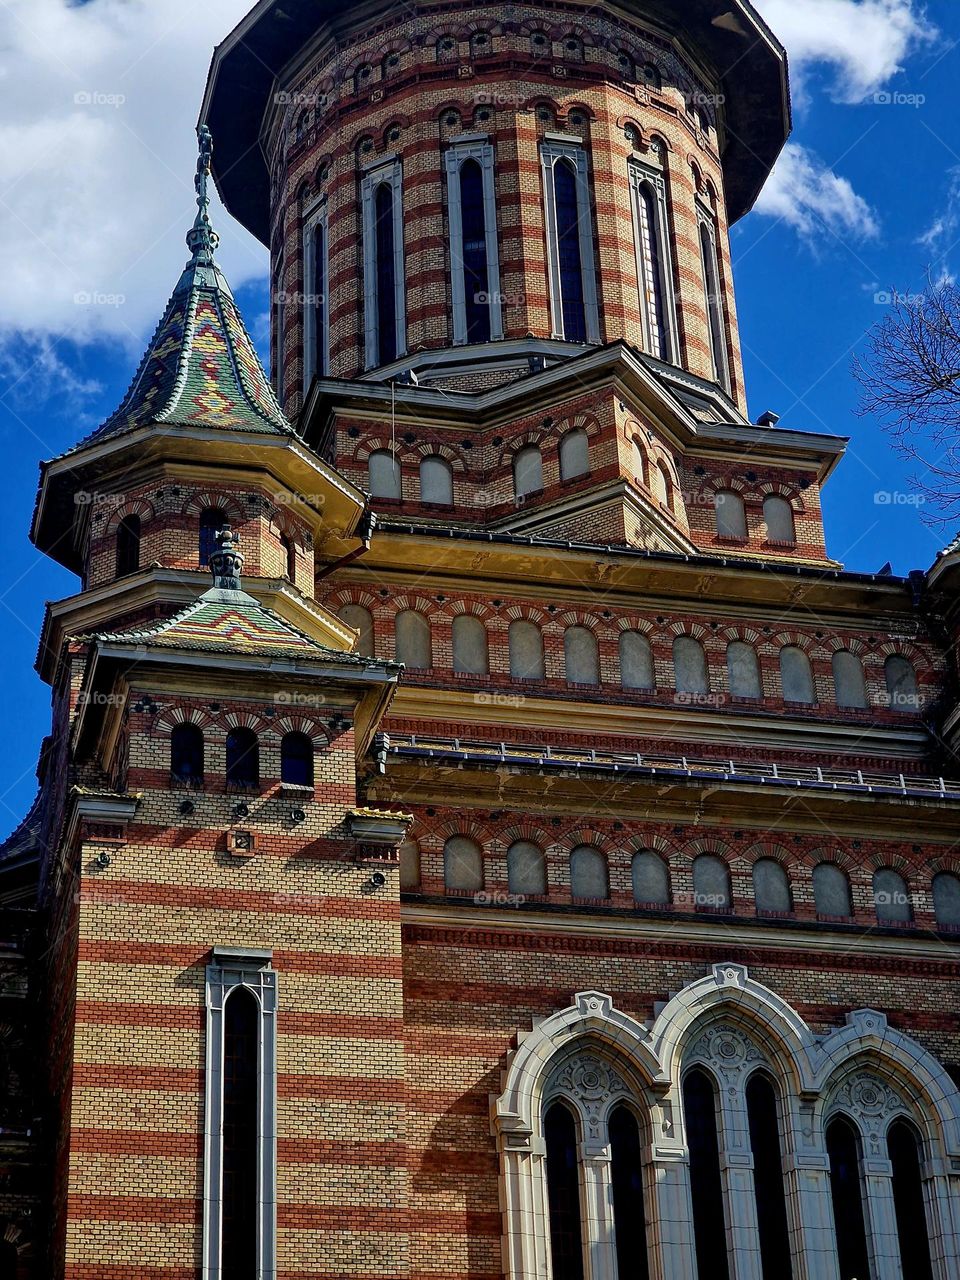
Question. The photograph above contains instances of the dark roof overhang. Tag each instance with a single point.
(749, 62)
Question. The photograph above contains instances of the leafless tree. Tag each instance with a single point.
(909, 377)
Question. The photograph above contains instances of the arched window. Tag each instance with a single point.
(462, 865)
(572, 301)
(771, 888)
(470, 654)
(651, 879)
(843, 1149)
(410, 866)
(385, 274)
(891, 897)
(848, 680)
(714, 300)
(413, 642)
(731, 518)
(626, 1177)
(128, 545)
(831, 891)
(526, 651)
(651, 77)
(903, 1148)
(362, 77)
(436, 480)
(212, 521)
(796, 676)
(636, 661)
(743, 670)
(383, 474)
(361, 619)
(573, 48)
(527, 471)
(241, 1115)
(706, 1185)
(581, 656)
(901, 684)
(316, 328)
(481, 44)
(946, 900)
(588, 873)
(296, 759)
(243, 758)
(526, 869)
(664, 486)
(626, 65)
(764, 1122)
(639, 461)
(711, 883)
(186, 753)
(651, 266)
(476, 282)
(657, 483)
(778, 518)
(690, 666)
(288, 551)
(563, 1193)
(574, 455)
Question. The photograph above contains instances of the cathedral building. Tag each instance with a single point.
(483, 834)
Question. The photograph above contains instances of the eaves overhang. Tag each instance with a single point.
(749, 62)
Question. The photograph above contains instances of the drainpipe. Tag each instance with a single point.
(368, 523)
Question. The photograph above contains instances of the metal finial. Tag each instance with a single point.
(202, 240)
(226, 563)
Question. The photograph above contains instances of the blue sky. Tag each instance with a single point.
(97, 104)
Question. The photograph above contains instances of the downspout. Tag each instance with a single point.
(368, 523)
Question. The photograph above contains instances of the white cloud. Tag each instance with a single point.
(864, 42)
(97, 155)
(942, 238)
(810, 197)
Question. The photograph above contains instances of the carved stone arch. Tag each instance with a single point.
(577, 105)
(468, 827)
(630, 622)
(440, 449)
(898, 648)
(513, 446)
(352, 595)
(749, 635)
(694, 629)
(578, 836)
(579, 618)
(707, 844)
(299, 723)
(592, 1079)
(777, 489)
(526, 612)
(796, 640)
(403, 453)
(205, 499)
(877, 861)
(419, 604)
(170, 717)
(588, 422)
(651, 844)
(475, 609)
(457, 31)
(135, 507)
(946, 862)
(723, 484)
(768, 849)
(835, 644)
(844, 860)
(246, 720)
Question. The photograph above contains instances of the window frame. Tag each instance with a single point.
(389, 171)
(553, 148)
(640, 175)
(717, 324)
(312, 367)
(463, 147)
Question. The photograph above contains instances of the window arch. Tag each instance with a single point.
(526, 650)
(526, 869)
(128, 545)
(385, 253)
(413, 640)
(844, 1152)
(891, 897)
(527, 471)
(470, 651)
(243, 758)
(581, 656)
(361, 619)
(904, 1150)
(589, 877)
(636, 661)
(241, 1086)
(711, 883)
(573, 307)
(831, 891)
(626, 1177)
(706, 1182)
(901, 683)
(651, 879)
(796, 676)
(653, 269)
(296, 759)
(186, 753)
(473, 250)
(771, 887)
(362, 77)
(763, 1117)
(212, 521)
(410, 866)
(778, 519)
(743, 670)
(651, 76)
(848, 680)
(481, 44)
(946, 900)
(288, 549)
(462, 864)
(569, 225)
(383, 474)
(690, 666)
(436, 480)
(563, 1192)
(574, 454)
(714, 299)
(730, 514)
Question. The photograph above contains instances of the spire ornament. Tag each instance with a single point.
(202, 240)
(226, 563)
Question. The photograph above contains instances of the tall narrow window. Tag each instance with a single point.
(654, 274)
(462, 864)
(384, 475)
(316, 321)
(831, 891)
(527, 471)
(636, 661)
(796, 676)
(212, 520)
(436, 480)
(743, 670)
(651, 879)
(526, 651)
(413, 642)
(711, 883)
(186, 753)
(239, 1236)
(361, 619)
(771, 888)
(626, 1174)
(891, 897)
(690, 666)
(473, 250)
(563, 1193)
(573, 286)
(843, 1149)
(764, 1121)
(128, 545)
(903, 1147)
(574, 455)
(296, 759)
(470, 652)
(778, 518)
(243, 758)
(730, 515)
(714, 300)
(288, 552)
(706, 1186)
(589, 877)
(848, 680)
(581, 656)
(384, 305)
(946, 900)
(526, 868)
(901, 680)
